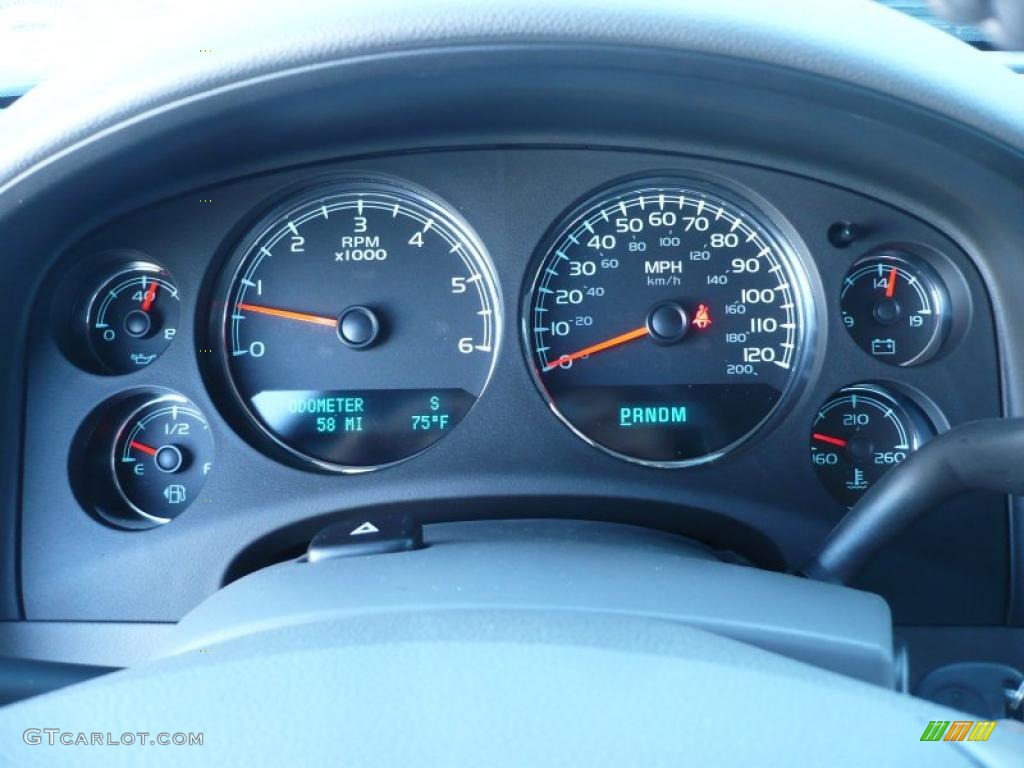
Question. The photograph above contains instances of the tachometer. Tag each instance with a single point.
(361, 324)
(665, 322)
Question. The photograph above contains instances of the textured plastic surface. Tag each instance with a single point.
(99, 643)
(23, 678)
(560, 566)
(495, 688)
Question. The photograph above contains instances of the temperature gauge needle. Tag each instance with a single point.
(829, 439)
(599, 347)
(143, 447)
(890, 285)
(287, 314)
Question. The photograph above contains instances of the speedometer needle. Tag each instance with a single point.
(289, 315)
(599, 347)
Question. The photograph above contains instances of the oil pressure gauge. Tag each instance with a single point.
(132, 317)
(896, 307)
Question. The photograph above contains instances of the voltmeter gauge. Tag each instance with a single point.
(895, 307)
(862, 432)
(161, 456)
(132, 317)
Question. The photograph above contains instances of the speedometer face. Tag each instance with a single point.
(361, 324)
(664, 323)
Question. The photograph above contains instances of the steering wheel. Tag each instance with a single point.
(511, 676)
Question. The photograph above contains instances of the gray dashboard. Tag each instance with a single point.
(509, 458)
(511, 134)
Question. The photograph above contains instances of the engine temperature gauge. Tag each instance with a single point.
(895, 307)
(161, 456)
(861, 433)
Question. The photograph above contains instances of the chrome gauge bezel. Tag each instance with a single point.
(100, 298)
(299, 197)
(935, 289)
(761, 218)
(129, 417)
(916, 417)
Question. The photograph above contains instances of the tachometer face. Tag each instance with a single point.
(665, 324)
(361, 325)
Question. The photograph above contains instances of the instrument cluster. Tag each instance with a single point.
(355, 319)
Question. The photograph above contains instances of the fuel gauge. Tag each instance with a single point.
(161, 456)
(895, 307)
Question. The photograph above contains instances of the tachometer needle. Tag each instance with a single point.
(890, 285)
(622, 338)
(829, 439)
(143, 447)
(147, 300)
(289, 315)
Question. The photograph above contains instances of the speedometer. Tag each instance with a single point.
(665, 322)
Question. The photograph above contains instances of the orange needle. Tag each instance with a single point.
(600, 346)
(289, 315)
(143, 447)
(147, 300)
(890, 286)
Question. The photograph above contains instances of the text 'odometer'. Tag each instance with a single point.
(362, 324)
(665, 322)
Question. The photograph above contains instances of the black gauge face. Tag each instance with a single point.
(896, 308)
(664, 323)
(161, 457)
(361, 325)
(132, 318)
(861, 433)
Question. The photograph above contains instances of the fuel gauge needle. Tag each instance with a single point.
(615, 341)
(143, 447)
(287, 314)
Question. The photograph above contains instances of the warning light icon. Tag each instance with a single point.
(702, 318)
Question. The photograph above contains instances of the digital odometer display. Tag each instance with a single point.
(361, 324)
(664, 323)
